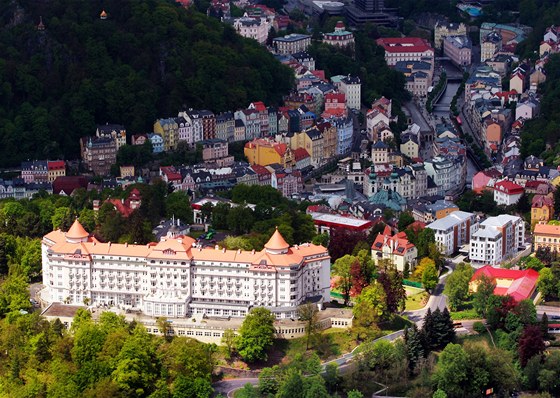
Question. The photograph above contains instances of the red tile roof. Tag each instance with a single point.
(523, 281)
(56, 165)
(259, 106)
(398, 243)
(68, 184)
(404, 44)
(300, 153)
(508, 187)
(541, 200)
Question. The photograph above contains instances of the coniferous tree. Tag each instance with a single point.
(544, 325)
(427, 330)
(445, 333)
(414, 348)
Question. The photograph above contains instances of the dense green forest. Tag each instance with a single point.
(148, 59)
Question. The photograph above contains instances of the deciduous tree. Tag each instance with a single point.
(370, 305)
(457, 286)
(256, 335)
(485, 289)
(531, 343)
(342, 268)
(309, 315)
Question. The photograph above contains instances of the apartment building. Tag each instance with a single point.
(454, 231)
(498, 239)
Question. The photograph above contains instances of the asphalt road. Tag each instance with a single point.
(436, 300)
(228, 387)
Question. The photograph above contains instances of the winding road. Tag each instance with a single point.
(436, 300)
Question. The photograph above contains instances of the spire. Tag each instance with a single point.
(41, 25)
(103, 15)
(276, 244)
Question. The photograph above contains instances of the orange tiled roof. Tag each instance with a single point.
(277, 242)
(77, 231)
(547, 229)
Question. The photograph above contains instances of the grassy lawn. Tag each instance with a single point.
(464, 314)
(465, 311)
(417, 300)
(397, 323)
(331, 343)
(475, 338)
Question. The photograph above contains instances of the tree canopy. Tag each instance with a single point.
(148, 59)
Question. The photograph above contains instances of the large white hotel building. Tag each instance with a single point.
(176, 278)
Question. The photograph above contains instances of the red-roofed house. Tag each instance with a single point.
(507, 192)
(55, 168)
(319, 74)
(170, 175)
(124, 206)
(263, 174)
(335, 105)
(68, 184)
(396, 248)
(519, 284)
(405, 49)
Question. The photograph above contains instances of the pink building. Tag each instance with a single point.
(482, 180)
(335, 104)
(458, 49)
(216, 151)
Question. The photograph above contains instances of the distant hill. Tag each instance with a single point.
(148, 59)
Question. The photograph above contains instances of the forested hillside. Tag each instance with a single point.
(148, 59)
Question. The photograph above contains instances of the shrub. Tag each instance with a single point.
(479, 327)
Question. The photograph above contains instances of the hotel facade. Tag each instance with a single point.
(176, 278)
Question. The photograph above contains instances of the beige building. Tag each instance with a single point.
(379, 153)
(490, 45)
(547, 236)
(445, 29)
(292, 43)
(174, 278)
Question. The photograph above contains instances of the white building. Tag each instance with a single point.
(507, 192)
(252, 28)
(406, 49)
(176, 278)
(454, 231)
(497, 239)
(396, 248)
(447, 173)
(352, 88)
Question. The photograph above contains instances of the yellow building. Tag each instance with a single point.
(263, 151)
(542, 209)
(546, 235)
(127, 171)
(169, 131)
(313, 142)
